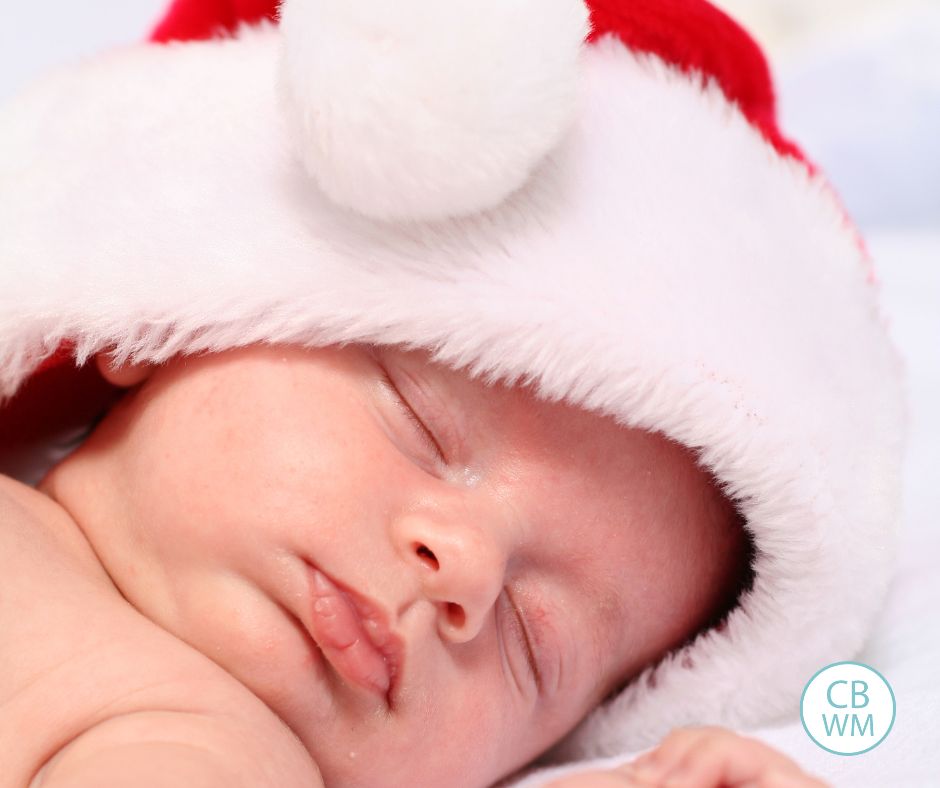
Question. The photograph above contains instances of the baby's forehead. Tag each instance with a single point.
(588, 441)
(586, 452)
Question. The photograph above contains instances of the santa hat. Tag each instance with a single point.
(595, 199)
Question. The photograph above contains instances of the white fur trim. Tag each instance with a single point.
(663, 264)
(427, 109)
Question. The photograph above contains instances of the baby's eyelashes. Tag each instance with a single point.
(425, 435)
(522, 640)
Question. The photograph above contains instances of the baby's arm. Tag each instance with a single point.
(167, 749)
(700, 757)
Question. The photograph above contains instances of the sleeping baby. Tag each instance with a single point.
(406, 576)
(486, 389)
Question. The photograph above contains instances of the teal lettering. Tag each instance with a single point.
(829, 695)
(835, 724)
(869, 722)
(863, 693)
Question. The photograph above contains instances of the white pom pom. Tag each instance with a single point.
(428, 109)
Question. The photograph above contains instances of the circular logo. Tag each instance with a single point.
(847, 708)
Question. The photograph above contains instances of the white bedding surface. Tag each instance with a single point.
(905, 646)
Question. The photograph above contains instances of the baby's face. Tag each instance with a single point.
(224, 479)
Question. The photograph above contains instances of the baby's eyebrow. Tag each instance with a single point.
(610, 614)
(613, 610)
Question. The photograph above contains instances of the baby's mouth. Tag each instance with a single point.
(353, 634)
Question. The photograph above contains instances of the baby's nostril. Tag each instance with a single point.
(427, 556)
(456, 614)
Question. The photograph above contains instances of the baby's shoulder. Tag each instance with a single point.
(73, 652)
(35, 530)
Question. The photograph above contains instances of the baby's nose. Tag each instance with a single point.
(460, 567)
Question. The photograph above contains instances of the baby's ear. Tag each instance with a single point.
(125, 375)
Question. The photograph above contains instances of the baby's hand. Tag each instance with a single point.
(700, 757)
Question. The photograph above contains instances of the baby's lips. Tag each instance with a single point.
(338, 630)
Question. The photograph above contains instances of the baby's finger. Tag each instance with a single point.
(608, 778)
(671, 751)
(731, 760)
(778, 779)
